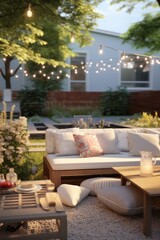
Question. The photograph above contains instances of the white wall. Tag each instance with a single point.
(103, 80)
(113, 48)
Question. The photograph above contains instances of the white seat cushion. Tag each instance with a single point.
(103, 161)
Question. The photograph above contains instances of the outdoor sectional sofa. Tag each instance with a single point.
(121, 147)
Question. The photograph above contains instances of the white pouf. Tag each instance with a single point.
(98, 183)
(125, 200)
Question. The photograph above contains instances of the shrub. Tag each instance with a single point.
(115, 102)
(32, 101)
(144, 120)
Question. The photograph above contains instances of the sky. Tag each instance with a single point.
(119, 21)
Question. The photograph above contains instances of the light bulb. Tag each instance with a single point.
(72, 38)
(100, 49)
(29, 11)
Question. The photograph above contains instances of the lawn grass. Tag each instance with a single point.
(37, 158)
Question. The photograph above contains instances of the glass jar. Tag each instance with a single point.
(2, 178)
(11, 176)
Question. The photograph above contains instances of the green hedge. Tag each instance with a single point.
(115, 102)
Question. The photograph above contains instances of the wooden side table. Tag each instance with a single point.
(17, 207)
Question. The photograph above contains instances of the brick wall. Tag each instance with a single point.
(73, 99)
(146, 101)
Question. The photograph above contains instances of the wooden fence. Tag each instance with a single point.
(144, 101)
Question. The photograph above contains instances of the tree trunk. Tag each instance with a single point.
(7, 72)
(158, 2)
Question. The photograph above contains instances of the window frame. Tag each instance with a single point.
(80, 80)
(149, 82)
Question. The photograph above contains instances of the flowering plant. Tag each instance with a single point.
(13, 140)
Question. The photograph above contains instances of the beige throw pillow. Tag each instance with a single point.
(108, 141)
(65, 144)
(50, 137)
(143, 142)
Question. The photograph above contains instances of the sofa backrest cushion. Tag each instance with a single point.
(50, 137)
(143, 142)
(108, 141)
(122, 137)
(65, 144)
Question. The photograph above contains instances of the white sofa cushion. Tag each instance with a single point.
(125, 200)
(143, 142)
(71, 195)
(108, 141)
(122, 137)
(104, 161)
(50, 137)
(65, 144)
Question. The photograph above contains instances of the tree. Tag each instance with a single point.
(143, 34)
(130, 5)
(29, 39)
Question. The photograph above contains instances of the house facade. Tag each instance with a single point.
(106, 64)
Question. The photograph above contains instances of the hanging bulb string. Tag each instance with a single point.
(125, 54)
(29, 11)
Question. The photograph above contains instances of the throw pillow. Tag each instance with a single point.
(108, 141)
(71, 195)
(50, 137)
(125, 200)
(122, 137)
(95, 184)
(65, 144)
(88, 145)
(143, 142)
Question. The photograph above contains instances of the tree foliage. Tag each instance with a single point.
(44, 37)
(130, 5)
(143, 34)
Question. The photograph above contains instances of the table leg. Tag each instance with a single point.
(62, 224)
(147, 214)
(123, 181)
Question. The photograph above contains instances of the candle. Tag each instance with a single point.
(146, 170)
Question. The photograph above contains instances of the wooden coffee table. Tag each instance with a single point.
(150, 187)
(17, 207)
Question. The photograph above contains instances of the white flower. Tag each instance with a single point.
(23, 121)
(13, 139)
(1, 159)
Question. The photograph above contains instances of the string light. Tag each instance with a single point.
(29, 11)
(101, 49)
(126, 61)
(72, 38)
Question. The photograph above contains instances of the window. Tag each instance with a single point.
(135, 71)
(78, 75)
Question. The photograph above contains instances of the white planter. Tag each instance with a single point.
(7, 95)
